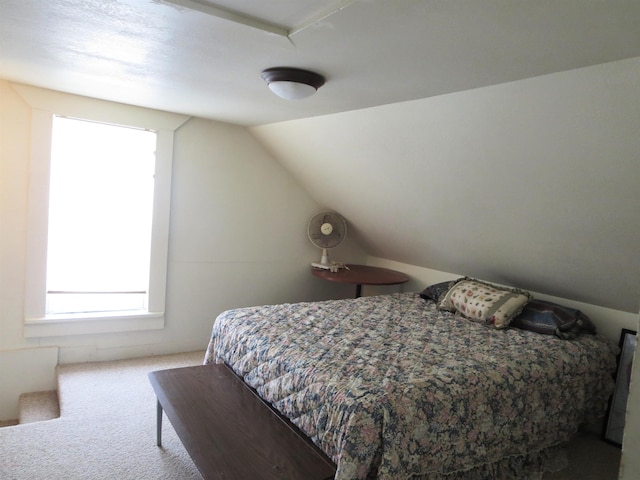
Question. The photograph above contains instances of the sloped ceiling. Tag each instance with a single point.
(204, 57)
(534, 184)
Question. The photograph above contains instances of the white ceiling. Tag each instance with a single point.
(204, 57)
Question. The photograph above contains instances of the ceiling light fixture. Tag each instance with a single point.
(292, 83)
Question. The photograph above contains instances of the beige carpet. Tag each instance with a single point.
(107, 431)
(38, 406)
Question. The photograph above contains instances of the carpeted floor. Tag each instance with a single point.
(107, 431)
(589, 459)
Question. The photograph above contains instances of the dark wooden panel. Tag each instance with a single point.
(230, 433)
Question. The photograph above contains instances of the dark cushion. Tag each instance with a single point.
(435, 291)
(550, 318)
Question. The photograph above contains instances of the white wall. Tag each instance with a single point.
(237, 238)
(25, 370)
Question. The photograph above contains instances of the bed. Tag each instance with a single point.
(395, 386)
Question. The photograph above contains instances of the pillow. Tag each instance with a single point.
(484, 302)
(550, 318)
(435, 291)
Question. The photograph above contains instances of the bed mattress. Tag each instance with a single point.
(391, 388)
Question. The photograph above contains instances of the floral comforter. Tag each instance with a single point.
(391, 388)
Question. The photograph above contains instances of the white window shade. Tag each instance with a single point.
(100, 217)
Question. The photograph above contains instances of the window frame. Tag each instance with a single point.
(45, 105)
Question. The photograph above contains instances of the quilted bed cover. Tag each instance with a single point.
(391, 388)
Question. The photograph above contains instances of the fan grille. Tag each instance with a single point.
(327, 229)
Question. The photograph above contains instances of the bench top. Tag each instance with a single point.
(230, 432)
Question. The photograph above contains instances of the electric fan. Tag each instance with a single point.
(327, 230)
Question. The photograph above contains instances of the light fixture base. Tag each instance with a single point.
(292, 83)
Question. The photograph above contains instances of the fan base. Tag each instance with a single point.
(333, 267)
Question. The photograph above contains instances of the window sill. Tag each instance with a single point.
(86, 324)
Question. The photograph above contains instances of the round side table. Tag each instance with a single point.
(362, 275)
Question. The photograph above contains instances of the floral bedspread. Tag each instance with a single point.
(391, 388)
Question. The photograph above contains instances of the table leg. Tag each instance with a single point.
(358, 290)
(159, 425)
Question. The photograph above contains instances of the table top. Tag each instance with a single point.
(362, 275)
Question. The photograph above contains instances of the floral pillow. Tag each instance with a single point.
(484, 302)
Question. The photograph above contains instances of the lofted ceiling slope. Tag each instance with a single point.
(204, 57)
(533, 183)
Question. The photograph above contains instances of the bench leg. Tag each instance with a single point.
(159, 425)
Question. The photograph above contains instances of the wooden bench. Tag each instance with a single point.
(229, 431)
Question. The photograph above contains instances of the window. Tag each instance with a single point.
(97, 225)
(100, 217)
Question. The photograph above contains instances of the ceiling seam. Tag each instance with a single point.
(259, 24)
